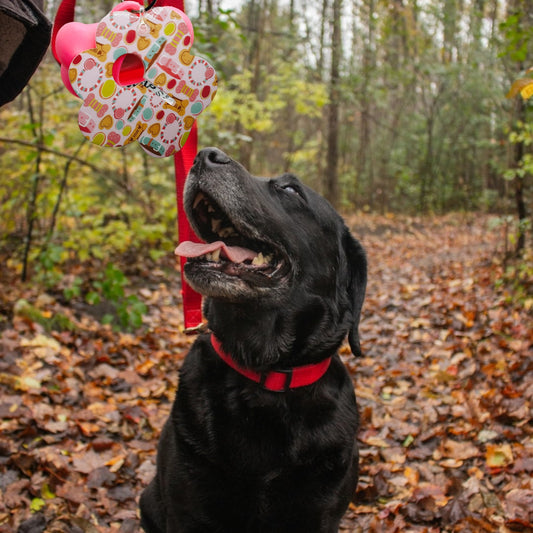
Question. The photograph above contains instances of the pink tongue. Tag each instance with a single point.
(235, 254)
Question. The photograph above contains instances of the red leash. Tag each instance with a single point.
(183, 161)
(192, 301)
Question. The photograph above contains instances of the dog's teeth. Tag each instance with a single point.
(227, 232)
(215, 225)
(198, 199)
(258, 260)
(213, 256)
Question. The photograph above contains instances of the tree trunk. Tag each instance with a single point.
(256, 19)
(31, 212)
(364, 161)
(332, 160)
(518, 154)
(322, 46)
(523, 10)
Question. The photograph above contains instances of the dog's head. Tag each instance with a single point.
(274, 249)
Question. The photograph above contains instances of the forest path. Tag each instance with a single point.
(446, 384)
(444, 388)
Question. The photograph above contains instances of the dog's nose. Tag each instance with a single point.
(212, 157)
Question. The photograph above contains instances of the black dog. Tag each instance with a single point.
(261, 437)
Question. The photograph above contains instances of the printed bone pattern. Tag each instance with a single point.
(159, 110)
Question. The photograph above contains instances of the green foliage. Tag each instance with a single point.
(519, 278)
(47, 264)
(209, 30)
(55, 322)
(422, 126)
(259, 114)
(127, 310)
(522, 134)
(512, 229)
(518, 35)
(111, 286)
(73, 290)
(37, 505)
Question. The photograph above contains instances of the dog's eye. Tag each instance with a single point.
(292, 190)
(288, 188)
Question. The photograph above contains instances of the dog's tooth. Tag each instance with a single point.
(227, 232)
(215, 224)
(215, 256)
(258, 260)
(198, 199)
(268, 258)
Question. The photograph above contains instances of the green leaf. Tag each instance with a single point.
(408, 441)
(48, 139)
(107, 319)
(46, 493)
(155, 255)
(92, 298)
(74, 290)
(37, 504)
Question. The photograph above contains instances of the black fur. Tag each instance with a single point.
(233, 457)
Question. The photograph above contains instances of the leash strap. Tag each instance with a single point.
(276, 380)
(192, 301)
(183, 161)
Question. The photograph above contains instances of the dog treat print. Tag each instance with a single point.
(140, 82)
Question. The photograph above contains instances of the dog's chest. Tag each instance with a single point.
(236, 424)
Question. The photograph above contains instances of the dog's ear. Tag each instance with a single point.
(357, 267)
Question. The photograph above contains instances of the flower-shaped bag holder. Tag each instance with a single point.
(136, 77)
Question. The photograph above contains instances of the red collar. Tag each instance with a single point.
(276, 380)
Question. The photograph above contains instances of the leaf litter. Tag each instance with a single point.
(444, 389)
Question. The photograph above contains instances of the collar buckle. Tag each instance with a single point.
(288, 373)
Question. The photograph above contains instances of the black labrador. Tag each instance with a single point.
(262, 434)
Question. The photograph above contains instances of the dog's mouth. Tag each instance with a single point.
(228, 250)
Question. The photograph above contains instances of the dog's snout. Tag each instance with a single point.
(212, 157)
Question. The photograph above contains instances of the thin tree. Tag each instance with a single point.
(332, 159)
(522, 13)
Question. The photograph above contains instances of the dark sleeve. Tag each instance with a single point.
(24, 38)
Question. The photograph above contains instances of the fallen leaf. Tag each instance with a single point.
(519, 506)
(459, 450)
(73, 493)
(88, 461)
(499, 455)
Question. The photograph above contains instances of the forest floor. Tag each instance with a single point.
(445, 390)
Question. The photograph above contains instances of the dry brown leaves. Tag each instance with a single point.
(445, 388)
(445, 392)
